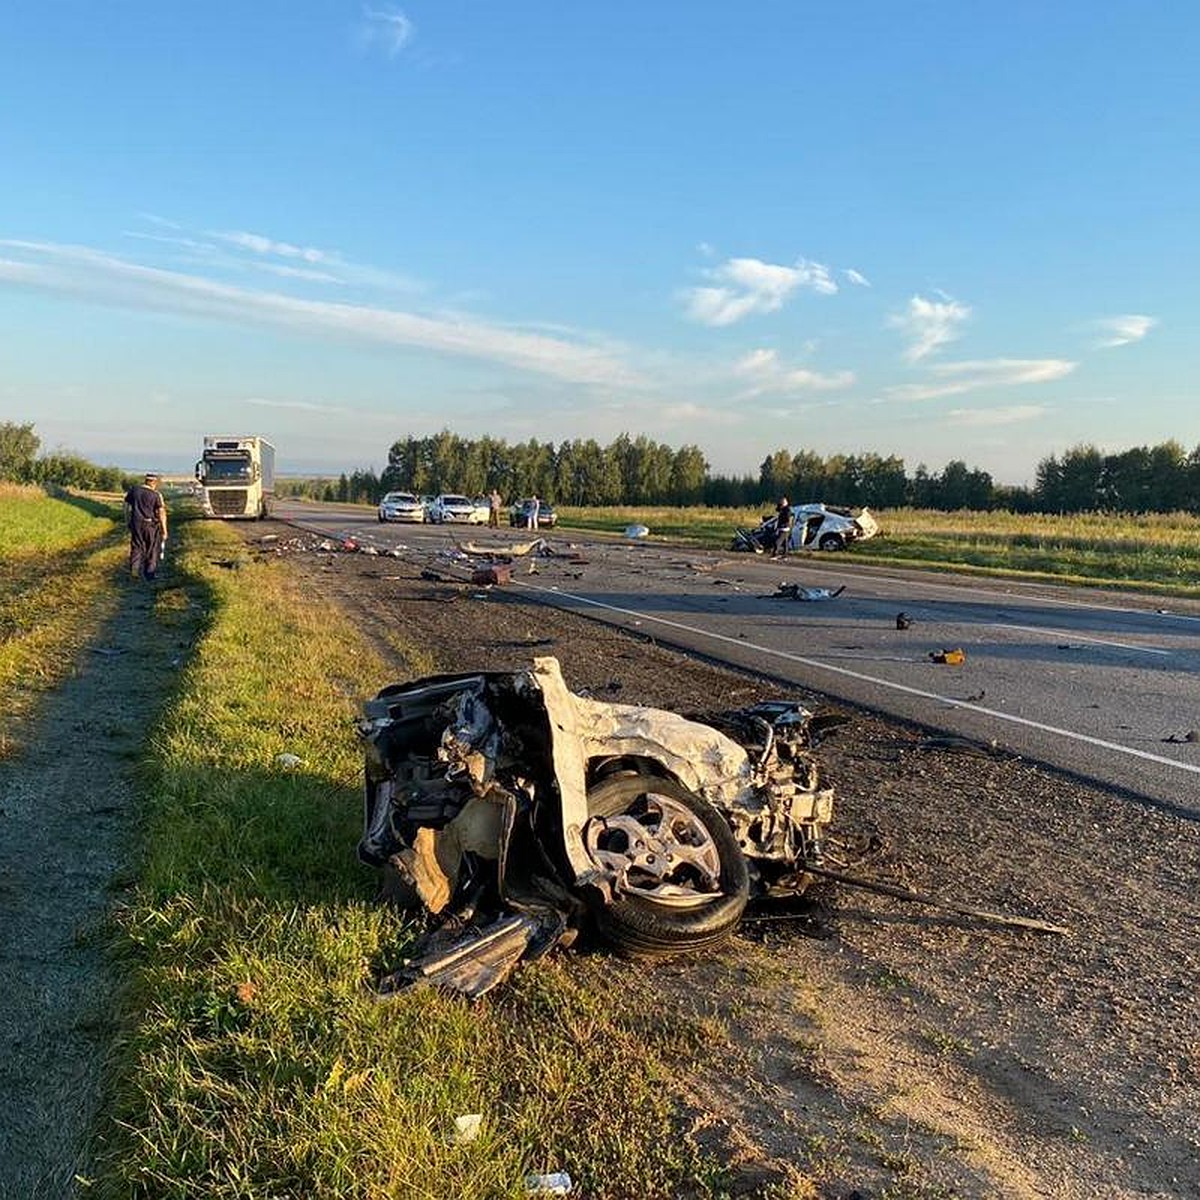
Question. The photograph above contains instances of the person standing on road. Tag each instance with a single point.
(783, 527)
(146, 517)
(532, 511)
(494, 502)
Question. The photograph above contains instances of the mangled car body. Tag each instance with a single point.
(513, 808)
(814, 527)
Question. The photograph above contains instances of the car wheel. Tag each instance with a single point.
(682, 882)
(832, 541)
(381, 518)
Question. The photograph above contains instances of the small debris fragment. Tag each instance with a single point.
(496, 575)
(466, 1128)
(903, 621)
(108, 651)
(557, 1183)
(289, 762)
(1175, 739)
(950, 658)
(636, 531)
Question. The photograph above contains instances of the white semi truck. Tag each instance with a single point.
(236, 477)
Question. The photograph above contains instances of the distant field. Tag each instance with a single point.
(1157, 551)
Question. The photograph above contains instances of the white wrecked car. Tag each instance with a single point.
(504, 803)
(815, 527)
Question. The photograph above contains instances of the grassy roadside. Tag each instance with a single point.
(59, 558)
(254, 1059)
(1157, 553)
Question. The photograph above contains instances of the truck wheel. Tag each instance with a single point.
(683, 882)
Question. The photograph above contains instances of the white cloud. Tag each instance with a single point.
(744, 286)
(767, 374)
(1124, 330)
(856, 277)
(105, 279)
(387, 28)
(956, 378)
(983, 418)
(929, 324)
(264, 245)
(696, 414)
(294, 405)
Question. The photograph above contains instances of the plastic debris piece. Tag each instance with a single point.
(636, 531)
(289, 762)
(903, 621)
(466, 1128)
(950, 658)
(498, 574)
(556, 1183)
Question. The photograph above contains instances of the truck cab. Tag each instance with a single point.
(236, 477)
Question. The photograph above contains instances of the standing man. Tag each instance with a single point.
(783, 527)
(494, 502)
(531, 513)
(146, 516)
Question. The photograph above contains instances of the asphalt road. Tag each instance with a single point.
(1095, 683)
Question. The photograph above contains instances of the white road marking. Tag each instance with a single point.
(1161, 759)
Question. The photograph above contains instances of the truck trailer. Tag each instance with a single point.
(237, 477)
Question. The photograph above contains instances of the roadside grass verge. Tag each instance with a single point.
(1153, 552)
(34, 522)
(60, 583)
(254, 1057)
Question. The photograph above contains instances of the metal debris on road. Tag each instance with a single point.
(950, 658)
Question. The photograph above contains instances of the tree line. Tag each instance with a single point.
(20, 462)
(640, 471)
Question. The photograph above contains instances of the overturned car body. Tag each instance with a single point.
(520, 813)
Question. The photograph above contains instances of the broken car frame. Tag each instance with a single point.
(503, 802)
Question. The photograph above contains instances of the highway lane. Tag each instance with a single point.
(1090, 682)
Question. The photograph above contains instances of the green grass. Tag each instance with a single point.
(255, 1058)
(33, 522)
(1153, 552)
(60, 581)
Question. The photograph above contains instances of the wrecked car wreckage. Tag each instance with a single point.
(518, 813)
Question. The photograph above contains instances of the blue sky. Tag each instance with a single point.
(939, 230)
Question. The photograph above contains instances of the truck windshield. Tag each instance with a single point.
(226, 470)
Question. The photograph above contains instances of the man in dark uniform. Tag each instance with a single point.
(146, 516)
(783, 527)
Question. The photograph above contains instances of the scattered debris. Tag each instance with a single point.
(289, 762)
(432, 575)
(973, 699)
(795, 591)
(636, 531)
(951, 658)
(959, 745)
(903, 621)
(513, 550)
(1192, 735)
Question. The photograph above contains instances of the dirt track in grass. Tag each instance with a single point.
(66, 826)
(876, 1046)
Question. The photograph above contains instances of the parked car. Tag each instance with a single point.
(401, 506)
(483, 508)
(458, 509)
(519, 514)
(816, 527)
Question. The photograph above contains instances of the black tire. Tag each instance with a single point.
(832, 541)
(645, 928)
(381, 519)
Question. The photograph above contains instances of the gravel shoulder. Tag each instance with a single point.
(876, 1046)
